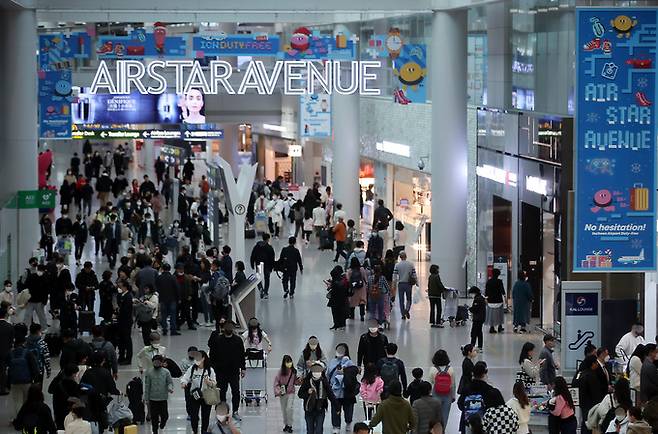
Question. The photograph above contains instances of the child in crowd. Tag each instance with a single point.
(284, 388)
(157, 387)
(413, 391)
(371, 390)
(308, 229)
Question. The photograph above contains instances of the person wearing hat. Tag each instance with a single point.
(372, 345)
(316, 393)
(146, 354)
(227, 356)
(312, 352)
(157, 387)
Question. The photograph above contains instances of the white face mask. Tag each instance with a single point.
(39, 273)
(607, 359)
(8, 288)
(198, 363)
(339, 355)
(373, 329)
(222, 418)
(317, 375)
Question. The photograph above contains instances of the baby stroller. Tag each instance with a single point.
(254, 383)
(450, 311)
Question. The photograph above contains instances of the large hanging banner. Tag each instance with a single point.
(615, 214)
(55, 91)
(140, 44)
(410, 69)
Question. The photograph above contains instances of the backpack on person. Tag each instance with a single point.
(134, 391)
(19, 369)
(473, 407)
(443, 382)
(356, 282)
(99, 350)
(221, 289)
(389, 371)
(351, 386)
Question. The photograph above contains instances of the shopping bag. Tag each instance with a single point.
(211, 396)
(417, 295)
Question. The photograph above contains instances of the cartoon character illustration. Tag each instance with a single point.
(601, 166)
(159, 35)
(623, 25)
(119, 50)
(597, 27)
(602, 200)
(394, 43)
(410, 74)
(300, 41)
(598, 44)
(63, 89)
(639, 63)
(642, 99)
(106, 48)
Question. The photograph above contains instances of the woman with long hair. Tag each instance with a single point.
(520, 403)
(312, 352)
(442, 378)
(634, 367)
(357, 276)
(371, 390)
(564, 407)
(284, 388)
(35, 415)
(195, 380)
(470, 353)
(337, 294)
(529, 373)
(255, 338)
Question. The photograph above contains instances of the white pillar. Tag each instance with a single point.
(345, 121)
(499, 55)
(228, 148)
(449, 151)
(18, 124)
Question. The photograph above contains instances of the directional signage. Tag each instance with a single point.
(182, 134)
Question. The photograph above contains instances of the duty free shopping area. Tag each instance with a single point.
(435, 216)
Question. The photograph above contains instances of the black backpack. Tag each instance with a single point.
(356, 282)
(610, 415)
(350, 383)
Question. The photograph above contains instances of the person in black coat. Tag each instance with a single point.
(66, 195)
(372, 345)
(227, 357)
(160, 169)
(80, 235)
(226, 263)
(478, 386)
(263, 252)
(494, 291)
(106, 291)
(188, 169)
(147, 187)
(292, 261)
(649, 374)
(470, 353)
(35, 410)
(62, 388)
(316, 393)
(6, 344)
(119, 185)
(104, 187)
(169, 298)
(63, 225)
(382, 216)
(125, 323)
(75, 164)
(590, 392)
(337, 288)
(86, 194)
(46, 241)
(478, 311)
(112, 236)
(87, 283)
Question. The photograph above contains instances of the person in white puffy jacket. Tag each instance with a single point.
(629, 341)
(521, 406)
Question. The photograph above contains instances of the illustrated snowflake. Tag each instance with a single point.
(642, 82)
(636, 167)
(592, 117)
(636, 243)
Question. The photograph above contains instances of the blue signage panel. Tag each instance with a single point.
(235, 45)
(579, 304)
(615, 221)
(140, 44)
(55, 97)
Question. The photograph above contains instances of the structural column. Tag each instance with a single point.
(499, 55)
(449, 150)
(345, 120)
(18, 123)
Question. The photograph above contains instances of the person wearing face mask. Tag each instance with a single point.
(312, 353)
(604, 375)
(112, 235)
(477, 389)
(198, 377)
(284, 388)
(8, 296)
(629, 341)
(148, 232)
(372, 345)
(227, 356)
(254, 338)
(146, 354)
(224, 424)
(157, 387)
(275, 211)
(316, 393)
(185, 364)
(342, 376)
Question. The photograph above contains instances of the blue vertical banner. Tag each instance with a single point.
(55, 92)
(615, 213)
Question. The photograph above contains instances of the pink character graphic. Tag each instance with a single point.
(602, 199)
(300, 41)
(160, 35)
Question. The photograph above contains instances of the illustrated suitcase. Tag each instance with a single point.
(86, 320)
(639, 197)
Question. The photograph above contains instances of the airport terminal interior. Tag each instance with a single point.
(427, 217)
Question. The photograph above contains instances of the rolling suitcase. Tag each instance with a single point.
(326, 243)
(86, 320)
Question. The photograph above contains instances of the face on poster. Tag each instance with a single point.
(192, 107)
(615, 140)
(107, 109)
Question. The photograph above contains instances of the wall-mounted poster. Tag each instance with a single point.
(107, 109)
(315, 115)
(221, 44)
(410, 69)
(615, 215)
(55, 96)
(140, 44)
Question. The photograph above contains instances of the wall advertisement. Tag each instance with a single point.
(315, 115)
(615, 214)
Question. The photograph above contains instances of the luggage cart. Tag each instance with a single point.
(254, 384)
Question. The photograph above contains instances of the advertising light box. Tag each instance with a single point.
(126, 109)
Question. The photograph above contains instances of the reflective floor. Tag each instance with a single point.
(290, 323)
